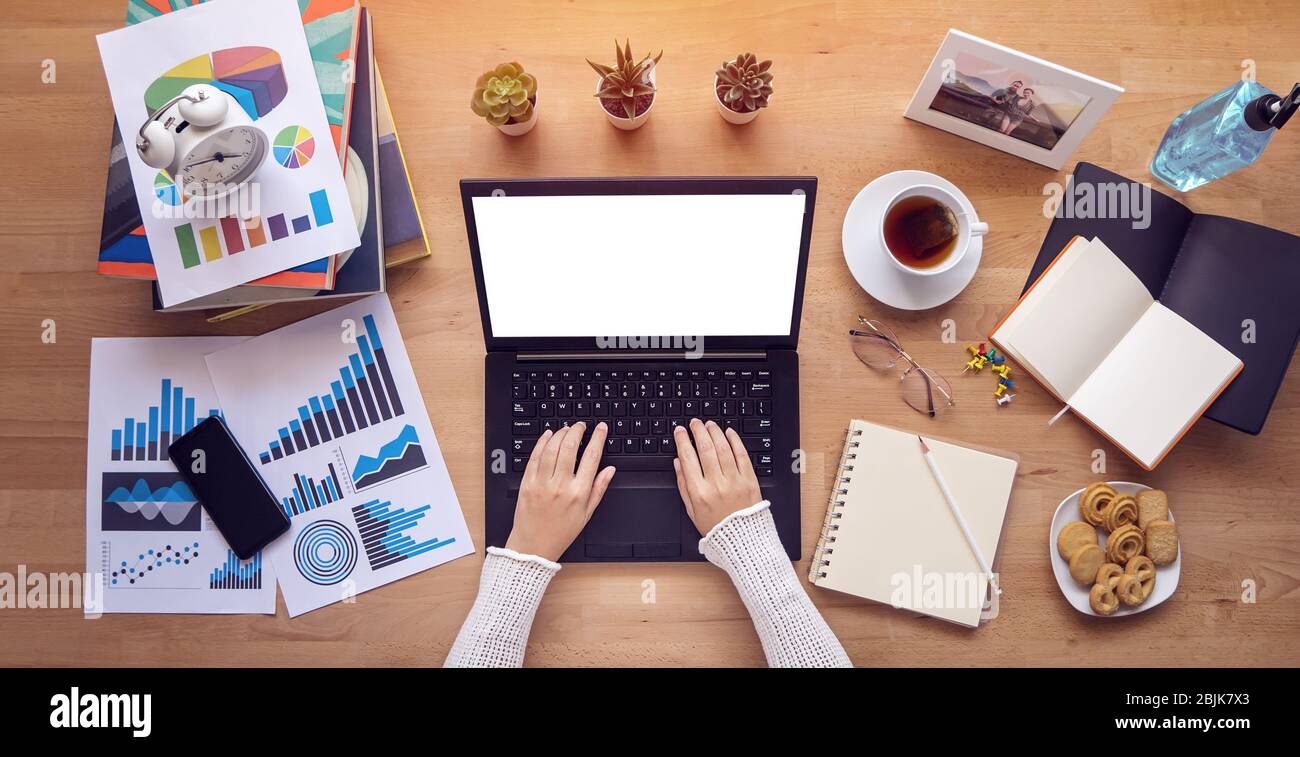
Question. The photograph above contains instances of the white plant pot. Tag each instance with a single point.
(629, 124)
(729, 115)
(519, 129)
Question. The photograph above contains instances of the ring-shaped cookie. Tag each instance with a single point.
(1094, 499)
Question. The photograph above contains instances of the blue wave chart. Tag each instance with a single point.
(364, 395)
(396, 458)
(236, 574)
(383, 532)
(148, 502)
(148, 436)
(309, 494)
(325, 552)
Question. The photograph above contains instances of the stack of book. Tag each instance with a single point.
(340, 38)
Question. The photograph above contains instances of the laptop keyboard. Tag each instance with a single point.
(641, 408)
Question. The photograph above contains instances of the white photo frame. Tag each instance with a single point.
(960, 94)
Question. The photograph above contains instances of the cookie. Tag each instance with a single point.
(1129, 590)
(1121, 511)
(1085, 562)
(1162, 542)
(1094, 499)
(1073, 536)
(1102, 599)
(1144, 570)
(1125, 543)
(1109, 573)
(1152, 505)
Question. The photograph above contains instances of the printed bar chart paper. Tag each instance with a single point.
(329, 411)
(149, 545)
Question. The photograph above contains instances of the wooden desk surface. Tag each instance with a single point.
(844, 74)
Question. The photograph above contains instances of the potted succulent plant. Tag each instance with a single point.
(506, 97)
(626, 90)
(743, 86)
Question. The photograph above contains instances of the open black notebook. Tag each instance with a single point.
(1236, 281)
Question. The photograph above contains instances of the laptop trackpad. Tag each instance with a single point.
(636, 522)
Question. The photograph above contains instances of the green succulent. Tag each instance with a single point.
(624, 81)
(744, 84)
(504, 93)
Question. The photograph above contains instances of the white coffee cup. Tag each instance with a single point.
(967, 226)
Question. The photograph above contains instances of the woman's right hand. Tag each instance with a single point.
(714, 475)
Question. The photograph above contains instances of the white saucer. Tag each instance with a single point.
(869, 261)
(1076, 593)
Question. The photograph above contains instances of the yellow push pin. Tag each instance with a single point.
(1001, 370)
(998, 392)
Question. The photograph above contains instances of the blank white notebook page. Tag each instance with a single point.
(640, 265)
(896, 523)
(1155, 383)
(1074, 316)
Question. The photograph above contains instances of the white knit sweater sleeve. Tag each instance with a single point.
(793, 633)
(509, 591)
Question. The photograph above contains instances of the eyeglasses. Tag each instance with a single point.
(876, 346)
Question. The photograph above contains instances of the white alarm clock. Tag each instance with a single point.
(205, 140)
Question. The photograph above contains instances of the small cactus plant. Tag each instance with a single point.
(744, 84)
(505, 95)
(623, 83)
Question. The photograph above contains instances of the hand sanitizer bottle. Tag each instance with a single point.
(1219, 135)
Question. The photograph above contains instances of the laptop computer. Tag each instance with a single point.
(643, 303)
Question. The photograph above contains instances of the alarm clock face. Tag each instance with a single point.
(222, 161)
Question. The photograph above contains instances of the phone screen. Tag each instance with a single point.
(229, 487)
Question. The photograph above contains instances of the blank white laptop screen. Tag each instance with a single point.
(640, 265)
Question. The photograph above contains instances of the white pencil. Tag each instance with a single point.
(956, 513)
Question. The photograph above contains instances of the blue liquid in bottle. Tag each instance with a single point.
(1211, 139)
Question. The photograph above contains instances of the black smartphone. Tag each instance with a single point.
(229, 487)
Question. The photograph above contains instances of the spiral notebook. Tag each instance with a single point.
(889, 535)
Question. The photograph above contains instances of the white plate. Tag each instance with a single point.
(1075, 592)
(868, 260)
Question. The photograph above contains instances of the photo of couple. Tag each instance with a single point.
(1007, 102)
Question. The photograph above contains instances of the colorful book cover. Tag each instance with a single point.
(331, 30)
(404, 236)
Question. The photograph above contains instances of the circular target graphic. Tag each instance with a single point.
(325, 552)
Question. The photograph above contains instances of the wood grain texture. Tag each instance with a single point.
(844, 74)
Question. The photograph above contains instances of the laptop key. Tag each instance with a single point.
(761, 458)
(708, 408)
(640, 427)
(761, 443)
(646, 462)
(764, 407)
(619, 407)
(757, 425)
(649, 446)
(762, 471)
(673, 407)
(760, 389)
(612, 446)
(564, 409)
(518, 463)
(519, 391)
(524, 428)
(667, 446)
(636, 407)
(524, 409)
(631, 446)
(546, 408)
(622, 427)
(727, 423)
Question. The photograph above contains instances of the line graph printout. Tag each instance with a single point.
(329, 411)
(147, 536)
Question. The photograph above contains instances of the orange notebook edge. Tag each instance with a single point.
(1038, 379)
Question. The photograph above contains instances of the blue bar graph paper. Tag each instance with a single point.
(147, 435)
(383, 532)
(363, 394)
(237, 575)
(309, 494)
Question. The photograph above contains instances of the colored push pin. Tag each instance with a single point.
(1004, 400)
(999, 360)
(976, 364)
(999, 390)
(974, 352)
(1001, 370)
(1008, 383)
